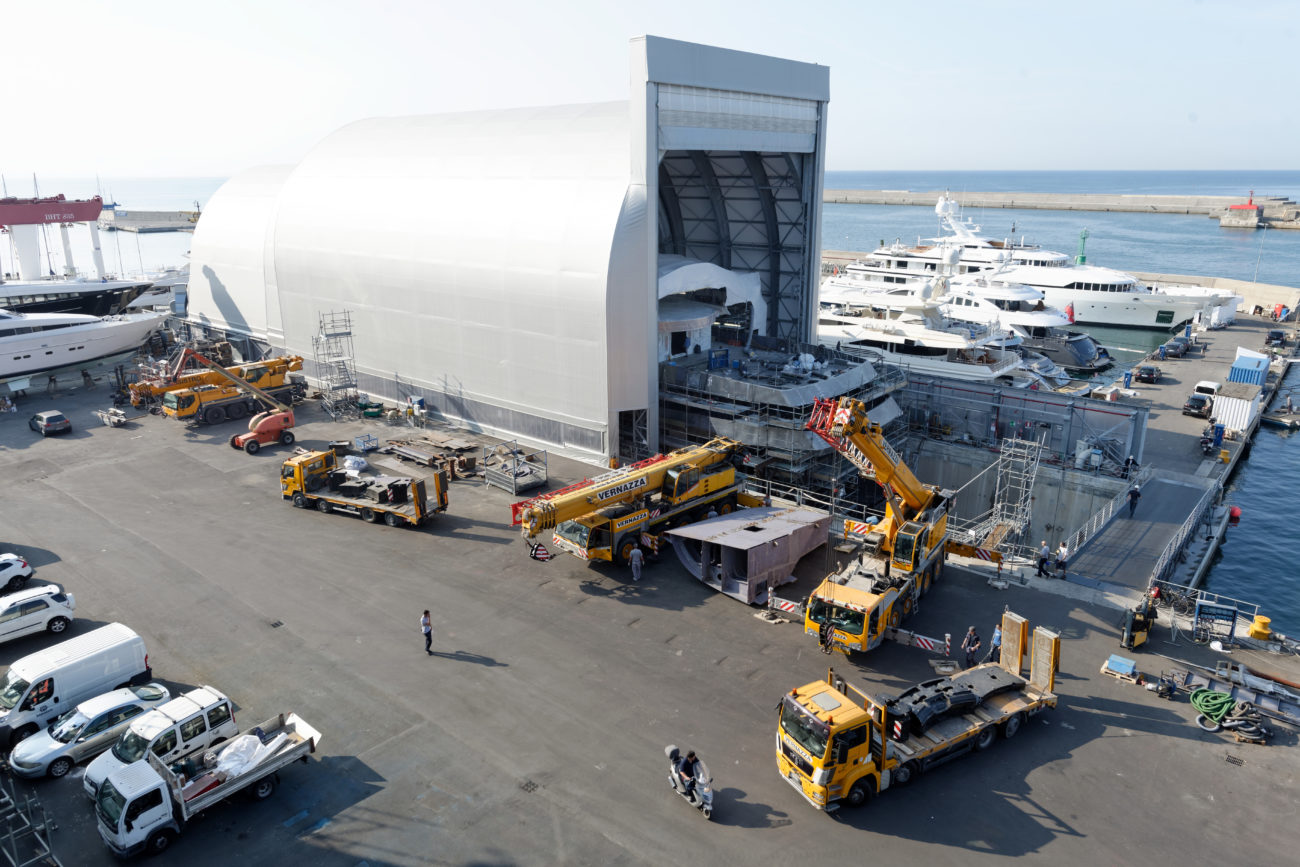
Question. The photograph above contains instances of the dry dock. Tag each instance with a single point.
(1276, 212)
(534, 735)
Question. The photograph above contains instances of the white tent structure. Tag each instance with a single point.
(504, 265)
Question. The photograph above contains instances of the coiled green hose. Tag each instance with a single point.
(1215, 705)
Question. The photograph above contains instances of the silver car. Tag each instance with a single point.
(83, 732)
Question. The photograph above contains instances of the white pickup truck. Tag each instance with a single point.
(143, 806)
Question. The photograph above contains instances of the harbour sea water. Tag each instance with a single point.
(1257, 561)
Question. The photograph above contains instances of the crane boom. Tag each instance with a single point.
(240, 383)
(628, 483)
(844, 424)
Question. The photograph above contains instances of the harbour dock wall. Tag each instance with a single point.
(1275, 212)
(1263, 294)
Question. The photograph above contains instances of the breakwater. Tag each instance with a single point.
(1276, 212)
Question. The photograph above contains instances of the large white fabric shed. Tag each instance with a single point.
(504, 265)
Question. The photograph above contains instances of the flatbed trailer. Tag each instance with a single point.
(311, 480)
(839, 746)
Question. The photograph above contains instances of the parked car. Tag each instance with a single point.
(1185, 341)
(50, 421)
(14, 572)
(84, 731)
(1175, 349)
(36, 609)
(1199, 405)
(1275, 337)
(1148, 373)
(187, 724)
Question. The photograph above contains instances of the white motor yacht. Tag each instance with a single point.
(987, 297)
(1088, 294)
(32, 343)
(921, 341)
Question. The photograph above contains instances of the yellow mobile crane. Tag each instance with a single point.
(272, 425)
(605, 518)
(270, 373)
(904, 551)
(232, 396)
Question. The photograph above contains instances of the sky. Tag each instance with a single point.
(205, 89)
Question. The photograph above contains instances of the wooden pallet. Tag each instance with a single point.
(1127, 670)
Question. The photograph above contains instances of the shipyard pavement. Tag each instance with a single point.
(535, 733)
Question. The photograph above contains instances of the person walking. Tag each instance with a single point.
(1134, 494)
(1044, 554)
(713, 513)
(1062, 558)
(971, 644)
(635, 560)
(427, 628)
(995, 644)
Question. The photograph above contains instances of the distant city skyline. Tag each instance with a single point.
(156, 89)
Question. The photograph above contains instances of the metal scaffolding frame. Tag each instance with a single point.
(24, 829)
(335, 365)
(1002, 527)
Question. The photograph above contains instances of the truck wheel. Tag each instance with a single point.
(1011, 727)
(625, 550)
(214, 415)
(314, 483)
(286, 438)
(325, 506)
(57, 625)
(264, 788)
(252, 447)
(59, 767)
(859, 793)
(299, 501)
(895, 617)
(160, 841)
(391, 519)
(368, 515)
(237, 411)
(905, 773)
(985, 738)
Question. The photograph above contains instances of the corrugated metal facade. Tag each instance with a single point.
(1249, 366)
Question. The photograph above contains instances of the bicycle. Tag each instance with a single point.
(1179, 601)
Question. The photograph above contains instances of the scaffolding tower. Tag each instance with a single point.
(336, 365)
(1013, 503)
(24, 829)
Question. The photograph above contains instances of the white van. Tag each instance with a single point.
(187, 724)
(38, 688)
(1207, 386)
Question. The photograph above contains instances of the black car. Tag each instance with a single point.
(1276, 337)
(1147, 373)
(1198, 405)
(1175, 349)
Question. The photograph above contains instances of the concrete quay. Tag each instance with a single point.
(148, 221)
(1275, 211)
(534, 735)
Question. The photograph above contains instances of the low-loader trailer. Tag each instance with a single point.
(839, 746)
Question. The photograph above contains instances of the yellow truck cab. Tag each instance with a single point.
(880, 589)
(839, 746)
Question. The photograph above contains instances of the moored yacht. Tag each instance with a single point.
(921, 341)
(1088, 293)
